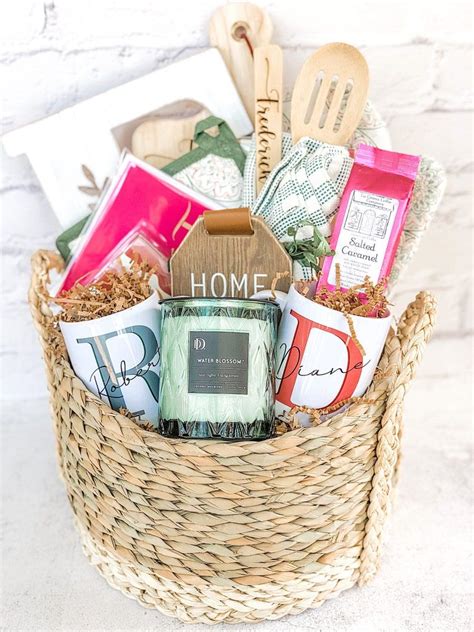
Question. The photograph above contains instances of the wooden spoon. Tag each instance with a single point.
(330, 94)
(268, 65)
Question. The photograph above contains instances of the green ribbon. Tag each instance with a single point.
(225, 145)
(63, 242)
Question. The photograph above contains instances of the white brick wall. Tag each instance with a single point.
(58, 52)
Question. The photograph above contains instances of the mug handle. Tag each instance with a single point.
(279, 297)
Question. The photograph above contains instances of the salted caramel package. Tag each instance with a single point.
(371, 217)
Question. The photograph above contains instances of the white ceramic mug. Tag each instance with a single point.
(318, 363)
(117, 357)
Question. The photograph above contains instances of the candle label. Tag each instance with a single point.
(218, 362)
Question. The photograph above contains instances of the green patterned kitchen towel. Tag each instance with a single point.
(429, 188)
(249, 194)
(304, 188)
(215, 167)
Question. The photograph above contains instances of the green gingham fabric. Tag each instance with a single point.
(305, 187)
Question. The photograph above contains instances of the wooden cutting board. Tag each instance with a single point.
(236, 29)
(162, 139)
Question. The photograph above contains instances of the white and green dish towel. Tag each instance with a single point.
(304, 188)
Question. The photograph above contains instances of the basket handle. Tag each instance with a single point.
(414, 331)
(42, 262)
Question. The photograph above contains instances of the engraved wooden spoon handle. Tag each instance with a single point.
(268, 67)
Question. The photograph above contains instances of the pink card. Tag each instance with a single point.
(143, 212)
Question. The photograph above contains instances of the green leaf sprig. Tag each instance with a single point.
(308, 251)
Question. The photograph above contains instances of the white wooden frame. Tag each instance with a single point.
(57, 146)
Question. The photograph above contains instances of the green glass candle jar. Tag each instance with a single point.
(218, 368)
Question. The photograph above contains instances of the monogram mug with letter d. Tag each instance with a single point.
(318, 363)
(117, 357)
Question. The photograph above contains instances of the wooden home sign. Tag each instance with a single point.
(229, 253)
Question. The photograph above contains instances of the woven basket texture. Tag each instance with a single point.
(211, 531)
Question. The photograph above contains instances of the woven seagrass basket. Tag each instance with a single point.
(209, 531)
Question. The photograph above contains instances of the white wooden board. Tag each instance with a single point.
(57, 146)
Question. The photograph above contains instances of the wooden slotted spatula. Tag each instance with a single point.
(330, 94)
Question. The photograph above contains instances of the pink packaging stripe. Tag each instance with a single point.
(393, 162)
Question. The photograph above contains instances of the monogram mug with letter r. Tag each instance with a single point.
(117, 357)
(318, 363)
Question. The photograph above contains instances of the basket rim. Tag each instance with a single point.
(376, 394)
